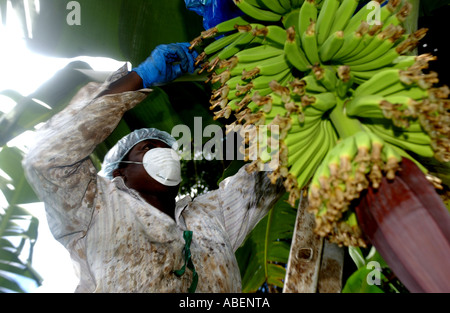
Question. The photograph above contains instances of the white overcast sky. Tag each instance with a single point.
(24, 71)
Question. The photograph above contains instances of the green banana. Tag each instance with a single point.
(264, 80)
(237, 45)
(269, 66)
(413, 127)
(259, 59)
(347, 152)
(365, 106)
(309, 43)
(345, 81)
(294, 53)
(422, 150)
(257, 13)
(344, 13)
(378, 82)
(326, 76)
(291, 19)
(403, 102)
(258, 53)
(415, 93)
(367, 38)
(389, 10)
(308, 13)
(274, 6)
(401, 63)
(420, 138)
(286, 4)
(382, 43)
(331, 46)
(360, 16)
(322, 102)
(392, 160)
(311, 111)
(273, 34)
(325, 19)
(233, 81)
(380, 62)
(298, 142)
(297, 3)
(404, 61)
(256, 3)
(226, 26)
(364, 145)
(318, 149)
(240, 67)
(399, 17)
(351, 42)
(366, 75)
(312, 85)
(221, 43)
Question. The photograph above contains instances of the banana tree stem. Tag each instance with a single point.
(345, 126)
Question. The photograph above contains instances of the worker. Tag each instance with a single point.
(123, 227)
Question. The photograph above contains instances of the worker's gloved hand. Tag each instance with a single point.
(166, 63)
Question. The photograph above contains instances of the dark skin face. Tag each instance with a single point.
(135, 177)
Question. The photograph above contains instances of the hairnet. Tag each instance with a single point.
(123, 146)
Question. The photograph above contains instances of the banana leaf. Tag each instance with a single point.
(18, 228)
(264, 254)
(119, 29)
(10, 159)
(55, 93)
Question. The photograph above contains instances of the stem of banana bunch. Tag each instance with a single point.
(411, 22)
(345, 126)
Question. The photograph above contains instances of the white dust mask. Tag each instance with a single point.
(163, 165)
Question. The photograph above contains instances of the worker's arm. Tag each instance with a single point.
(243, 200)
(166, 63)
(130, 82)
(58, 164)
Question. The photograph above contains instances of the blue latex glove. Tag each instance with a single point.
(213, 11)
(166, 63)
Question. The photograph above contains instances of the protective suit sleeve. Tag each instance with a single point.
(243, 200)
(58, 166)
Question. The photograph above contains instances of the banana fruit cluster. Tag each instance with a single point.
(351, 166)
(345, 92)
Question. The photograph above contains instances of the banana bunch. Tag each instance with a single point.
(349, 168)
(326, 78)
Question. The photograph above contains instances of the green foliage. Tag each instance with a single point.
(18, 229)
(120, 29)
(263, 256)
(370, 267)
